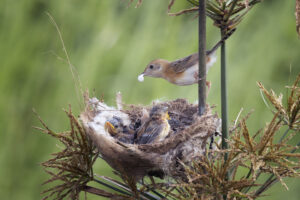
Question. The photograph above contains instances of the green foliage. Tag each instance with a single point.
(110, 45)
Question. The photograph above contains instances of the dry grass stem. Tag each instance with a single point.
(290, 114)
(72, 168)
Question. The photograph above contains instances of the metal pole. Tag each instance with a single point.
(202, 57)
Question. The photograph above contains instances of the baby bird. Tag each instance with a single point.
(183, 71)
(156, 128)
(116, 128)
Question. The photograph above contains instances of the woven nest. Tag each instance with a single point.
(187, 139)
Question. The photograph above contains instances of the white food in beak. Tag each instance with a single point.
(141, 78)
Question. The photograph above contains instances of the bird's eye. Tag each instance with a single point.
(151, 66)
(116, 126)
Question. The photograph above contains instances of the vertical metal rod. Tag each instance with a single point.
(224, 94)
(202, 57)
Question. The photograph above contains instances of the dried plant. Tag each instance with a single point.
(226, 14)
(71, 168)
(289, 114)
(73, 165)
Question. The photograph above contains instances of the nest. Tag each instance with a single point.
(187, 138)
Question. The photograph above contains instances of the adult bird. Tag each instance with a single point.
(183, 71)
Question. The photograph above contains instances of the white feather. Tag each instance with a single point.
(141, 78)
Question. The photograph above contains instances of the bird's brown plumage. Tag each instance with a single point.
(183, 71)
(183, 64)
(155, 128)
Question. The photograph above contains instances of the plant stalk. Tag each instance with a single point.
(202, 57)
(111, 187)
(224, 95)
(224, 102)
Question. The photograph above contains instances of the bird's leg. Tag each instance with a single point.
(196, 78)
(208, 84)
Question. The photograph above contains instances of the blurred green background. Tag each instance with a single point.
(110, 44)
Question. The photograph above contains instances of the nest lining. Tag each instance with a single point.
(186, 141)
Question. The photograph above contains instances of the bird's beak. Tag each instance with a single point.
(110, 128)
(168, 116)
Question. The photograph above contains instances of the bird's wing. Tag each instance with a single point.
(183, 64)
(150, 134)
(142, 128)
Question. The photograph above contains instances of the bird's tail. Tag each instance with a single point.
(210, 52)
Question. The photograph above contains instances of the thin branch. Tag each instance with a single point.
(111, 187)
(101, 193)
(193, 9)
(284, 135)
(230, 10)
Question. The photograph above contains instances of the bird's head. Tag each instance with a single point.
(160, 112)
(155, 68)
(114, 125)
